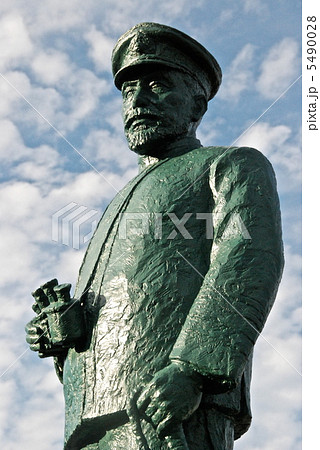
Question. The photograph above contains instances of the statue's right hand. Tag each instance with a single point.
(38, 337)
(59, 322)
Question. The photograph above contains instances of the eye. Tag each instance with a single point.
(158, 86)
(127, 91)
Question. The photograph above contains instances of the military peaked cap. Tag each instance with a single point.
(153, 43)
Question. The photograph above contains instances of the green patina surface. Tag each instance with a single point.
(155, 349)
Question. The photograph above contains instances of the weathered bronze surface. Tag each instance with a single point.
(155, 349)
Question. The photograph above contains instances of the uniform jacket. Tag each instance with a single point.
(153, 292)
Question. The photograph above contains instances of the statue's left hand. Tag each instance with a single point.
(171, 397)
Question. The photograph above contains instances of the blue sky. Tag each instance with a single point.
(61, 142)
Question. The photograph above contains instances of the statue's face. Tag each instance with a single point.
(157, 109)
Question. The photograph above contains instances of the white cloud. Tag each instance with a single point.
(118, 17)
(256, 6)
(22, 100)
(68, 265)
(84, 90)
(239, 77)
(226, 15)
(11, 101)
(276, 382)
(208, 132)
(15, 251)
(37, 421)
(114, 16)
(88, 188)
(52, 16)
(100, 49)
(175, 9)
(106, 148)
(18, 200)
(7, 394)
(285, 318)
(114, 118)
(11, 145)
(280, 146)
(276, 395)
(51, 66)
(265, 137)
(279, 68)
(16, 45)
(40, 164)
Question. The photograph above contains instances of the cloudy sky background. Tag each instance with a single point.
(61, 143)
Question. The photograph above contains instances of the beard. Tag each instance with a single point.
(151, 140)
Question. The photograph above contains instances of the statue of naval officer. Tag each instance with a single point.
(155, 349)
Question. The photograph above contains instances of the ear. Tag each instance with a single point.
(200, 107)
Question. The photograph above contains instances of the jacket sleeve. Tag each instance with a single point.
(240, 286)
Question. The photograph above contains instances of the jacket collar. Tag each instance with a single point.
(177, 148)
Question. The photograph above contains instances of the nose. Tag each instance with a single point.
(140, 97)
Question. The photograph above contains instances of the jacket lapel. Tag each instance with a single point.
(107, 221)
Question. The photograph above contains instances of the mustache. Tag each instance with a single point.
(141, 113)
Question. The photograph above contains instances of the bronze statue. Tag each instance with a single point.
(155, 349)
